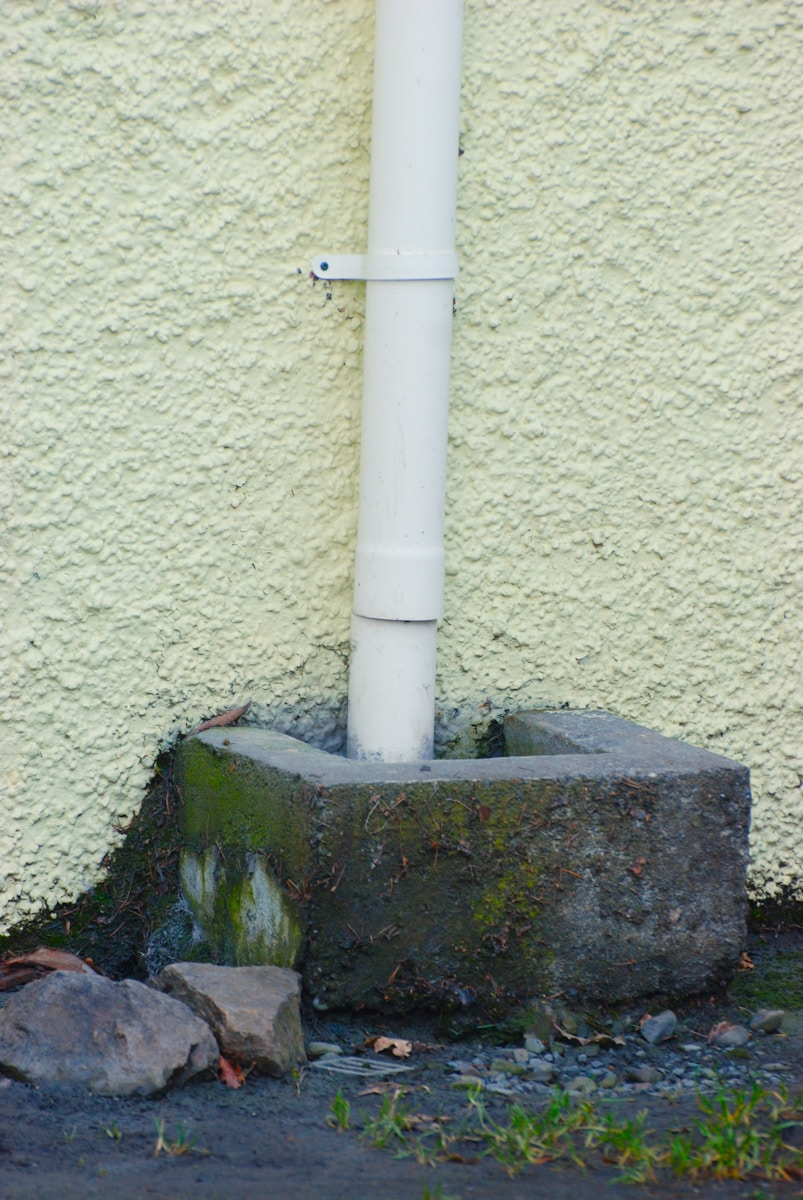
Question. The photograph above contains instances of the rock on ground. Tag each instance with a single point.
(767, 1020)
(253, 1011)
(660, 1028)
(115, 1039)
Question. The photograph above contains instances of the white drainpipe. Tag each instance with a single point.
(410, 268)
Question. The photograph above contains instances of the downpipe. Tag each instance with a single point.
(409, 267)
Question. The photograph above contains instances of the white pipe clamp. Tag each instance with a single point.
(404, 264)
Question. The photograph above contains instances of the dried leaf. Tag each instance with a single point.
(397, 1046)
(50, 959)
(17, 978)
(484, 813)
(600, 1039)
(230, 717)
(230, 1073)
(746, 963)
(721, 1028)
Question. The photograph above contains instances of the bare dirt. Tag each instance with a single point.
(271, 1137)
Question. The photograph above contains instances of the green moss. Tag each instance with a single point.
(776, 982)
(509, 898)
(247, 918)
(440, 880)
(244, 806)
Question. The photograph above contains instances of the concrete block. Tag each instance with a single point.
(597, 860)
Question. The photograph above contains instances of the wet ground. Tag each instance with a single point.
(276, 1137)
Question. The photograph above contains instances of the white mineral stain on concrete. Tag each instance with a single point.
(198, 874)
(250, 906)
(182, 404)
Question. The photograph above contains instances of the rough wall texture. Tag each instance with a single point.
(182, 402)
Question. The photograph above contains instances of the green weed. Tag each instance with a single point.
(741, 1134)
(340, 1115)
(438, 1194)
(391, 1126)
(182, 1144)
(565, 1128)
(625, 1144)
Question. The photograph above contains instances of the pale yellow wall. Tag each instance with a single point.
(183, 403)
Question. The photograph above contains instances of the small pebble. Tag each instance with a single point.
(521, 1054)
(582, 1084)
(462, 1068)
(767, 1020)
(737, 1035)
(533, 1044)
(660, 1028)
(318, 1049)
(503, 1066)
(643, 1074)
(541, 1072)
(570, 1023)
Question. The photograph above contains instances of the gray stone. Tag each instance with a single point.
(253, 1011)
(116, 1039)
(318, 1049)
(503, 1066)
(660, 1028)
(767, 1020)
(730, 1039)
(643, 1075)
(540, 1071)
(392, 873)
(582, 1085)
(461, 1067)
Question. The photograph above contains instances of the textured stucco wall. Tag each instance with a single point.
(182, 402)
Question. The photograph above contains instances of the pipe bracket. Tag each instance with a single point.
(403, 265)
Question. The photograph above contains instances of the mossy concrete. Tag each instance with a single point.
(599, 859)
(244, 914)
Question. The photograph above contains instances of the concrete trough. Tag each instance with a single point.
(598, 860)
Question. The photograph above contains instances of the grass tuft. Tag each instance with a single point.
(742, 1134)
